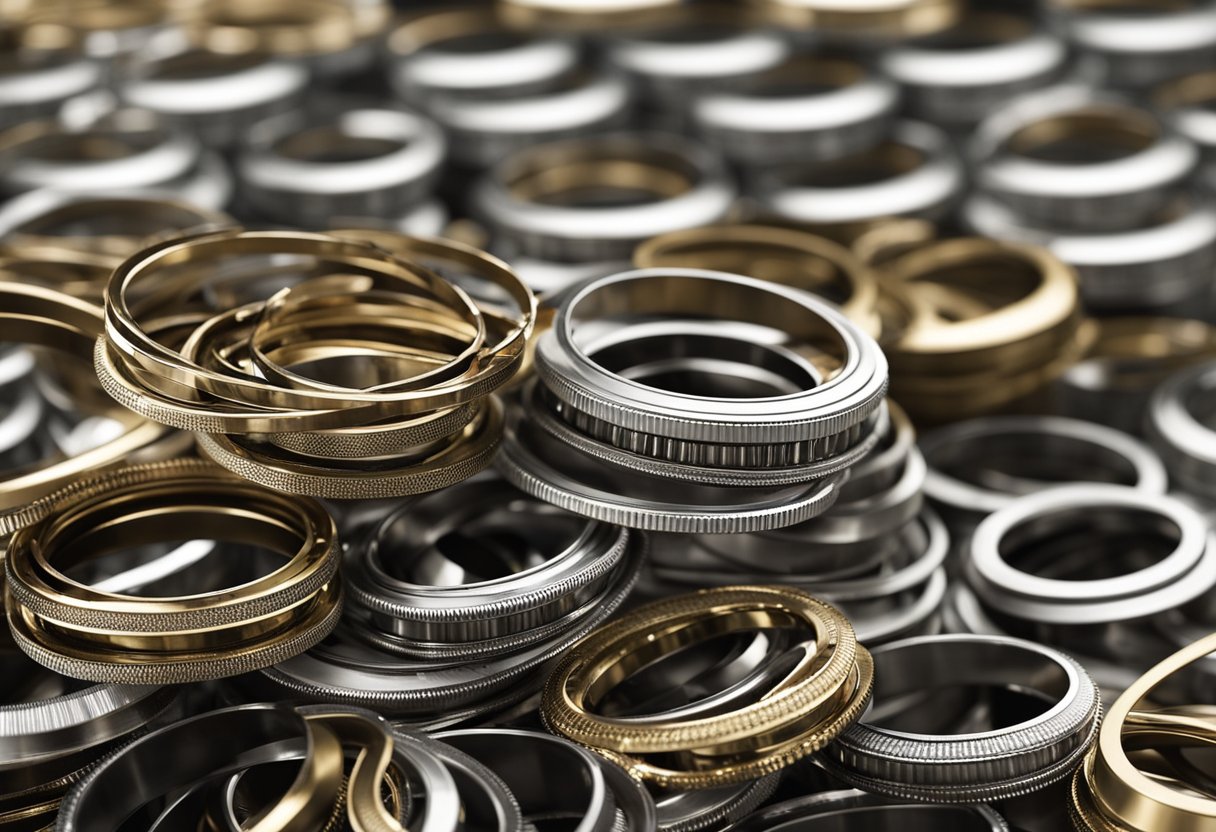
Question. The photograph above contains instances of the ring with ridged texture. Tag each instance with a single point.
(306, 169)
(807, 108)
(1137, 44)
(551, 778)
(539, 463)
(851, 810)
(806, 424)
(85, 633)
(711, 47)
(441, 571)
(1111, 792)
(530, 201)
(1091, 554)
(709, 810)
(849, 21)
(1072, 158)
(792, 258)
(1128, 359)
(109, 226)
(347, 669)
(201, 746)
(982, 465)
(1161, 266)
(44, 69)
(914, 173)
(214, 95)
(904, 752)
(472, 52)
(1178, 428)
(63, 325)
(957, 77)
(123, 151)
(486, 801)
(806, 706)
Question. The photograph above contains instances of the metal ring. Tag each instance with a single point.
(918, 175)
(1177, 429)
(977, 767)
(1131, 165)
(684, 186)
(44, 68)
(1181, 571)
(808, 108)
(394, 160)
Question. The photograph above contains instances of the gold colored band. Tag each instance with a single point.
(89, 634)
(890, 19)
(792, 258)
(805, 709)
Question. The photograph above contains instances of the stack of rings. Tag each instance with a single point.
(904, 746)
(877, 552)
(79, 631)
(269, 767)
(796, 707)
(695, 422)
(977, 344)
(53, 730)
(367, 375)
(1138, 777)
(460, 601)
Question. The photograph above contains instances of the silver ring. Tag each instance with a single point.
(212, 95)
(468, 52)
(823, 411)
(1166, 264)
(700, 810)
(850, 810)
(713, 49)
(1124, 190)
(956, 78)
(134, 775)
(983, 465)
(1056, 588)
(142, 152)
(1177, 427)
(346, 670)
(284, 169)
(551, 777)
(695, 191)
(1186, 104)
(447, 548)
(1142, 46)
(485, 131)
(41, 77)
(485, 800)
(912, 764)
(786, 115)
(922, 177)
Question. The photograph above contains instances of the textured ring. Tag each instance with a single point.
(988, 765)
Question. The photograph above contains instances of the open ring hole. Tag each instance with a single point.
(965, 290)
(600, 177)
(1085, 136)
(333, 145)
(961, 687)
(1023, 462)
(1097, 543)
(481, 542)
(887, 161)
(709, 366)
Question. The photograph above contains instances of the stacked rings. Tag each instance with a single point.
(430, 578)
(967, 332)
(367, 376)
(640, 451)
(89, 634)
(876, 552)
(905, 749)
(44, 68)
(806, 706)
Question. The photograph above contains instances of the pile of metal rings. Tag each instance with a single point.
(629, 416)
